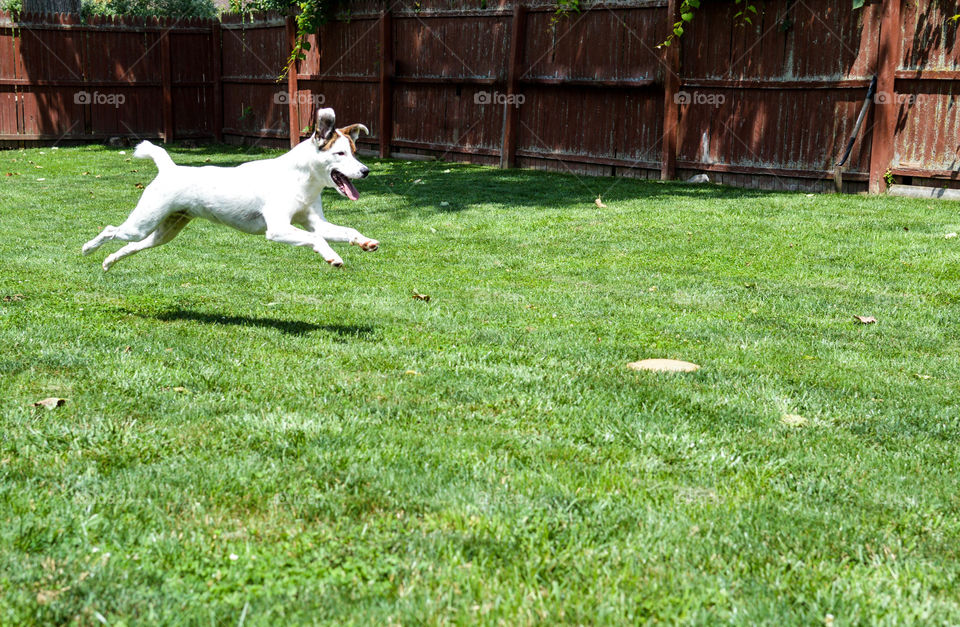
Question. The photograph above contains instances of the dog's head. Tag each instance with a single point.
(336, 148)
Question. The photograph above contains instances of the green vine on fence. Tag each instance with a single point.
(742, 17)
(687, 10)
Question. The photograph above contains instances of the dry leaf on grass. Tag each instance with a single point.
(663, 365)
(50, 403)
(600, 203)
(865, 319)
(418, 296)
(793, 420)
(13, 298)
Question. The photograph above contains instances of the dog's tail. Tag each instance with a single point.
(147, 150)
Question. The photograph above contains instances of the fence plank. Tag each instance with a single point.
(885, 111)
(508, 156)
(386, 82)
(216, 38)
(671, 108)
(167, 89)
(292, 90)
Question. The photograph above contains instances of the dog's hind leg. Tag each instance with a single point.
(142, 221)
(167, 230)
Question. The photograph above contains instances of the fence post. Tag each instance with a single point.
(292, 89)
(166, 82)
(386, 82)
(86, 110)
(885, 108)
(217, 46)
(511, 112)
(671, 108)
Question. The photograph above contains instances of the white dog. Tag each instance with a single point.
(262, 197)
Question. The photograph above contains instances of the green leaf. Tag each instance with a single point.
(696, 4)
(752, 8)
(678, 31)
(686, 17)
(858, 4)
(305, 45)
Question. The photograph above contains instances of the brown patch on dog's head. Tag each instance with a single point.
(337, 135)
(350, 133)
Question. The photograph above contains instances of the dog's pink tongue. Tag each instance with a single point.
(348, 187)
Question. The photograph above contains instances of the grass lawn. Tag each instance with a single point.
(252, 436)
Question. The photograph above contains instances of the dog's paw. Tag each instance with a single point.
(107, 263)
(88, 248)
(369, 245)
(336, 262)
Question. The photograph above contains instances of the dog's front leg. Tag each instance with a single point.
(286, 233)
(334, 233)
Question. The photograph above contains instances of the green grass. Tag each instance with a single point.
(253, 436)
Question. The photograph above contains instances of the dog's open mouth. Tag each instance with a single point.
(343, 185)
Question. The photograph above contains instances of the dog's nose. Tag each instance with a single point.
(364, 172)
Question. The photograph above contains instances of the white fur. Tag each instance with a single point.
(265, 197)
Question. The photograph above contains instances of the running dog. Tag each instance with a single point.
(266, 197)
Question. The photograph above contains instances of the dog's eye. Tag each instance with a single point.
(340, 154)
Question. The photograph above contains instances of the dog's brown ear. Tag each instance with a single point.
(323, 130)
(354, 131)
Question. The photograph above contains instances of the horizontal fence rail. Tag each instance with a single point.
(771, 104)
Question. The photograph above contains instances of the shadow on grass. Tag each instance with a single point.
(450, 187)
(440, 187)
(292, 327)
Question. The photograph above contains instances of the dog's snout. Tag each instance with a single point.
(364, 171)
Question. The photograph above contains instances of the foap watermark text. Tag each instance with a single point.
(699, 98)
(885, 97)
(97, 98)
(497, 98)
(301, 97)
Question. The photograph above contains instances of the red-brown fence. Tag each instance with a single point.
(766, 105)
(61, 79)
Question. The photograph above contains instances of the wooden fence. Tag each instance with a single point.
(768, 105)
